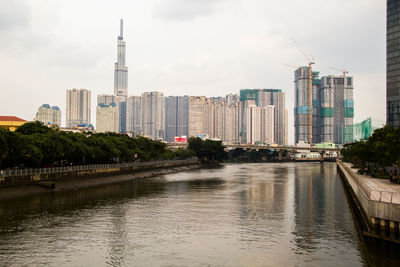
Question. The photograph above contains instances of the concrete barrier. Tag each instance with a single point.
(52, 174)
(379, 210)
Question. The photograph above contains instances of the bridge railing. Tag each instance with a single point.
(75, 168)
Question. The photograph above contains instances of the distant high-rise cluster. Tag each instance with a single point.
(273, 100)
(255, 116)
(49, 115)
(393, 63)
(332, 107)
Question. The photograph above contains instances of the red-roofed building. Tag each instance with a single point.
(11, 122)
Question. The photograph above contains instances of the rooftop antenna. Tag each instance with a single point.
(121, 29)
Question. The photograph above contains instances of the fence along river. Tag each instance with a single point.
(261, 214)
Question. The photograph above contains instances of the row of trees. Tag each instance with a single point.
(380, 150)
(207, 151)
(35, 145)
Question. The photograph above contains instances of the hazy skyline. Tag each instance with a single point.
(187, 47)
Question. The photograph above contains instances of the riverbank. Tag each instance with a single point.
(376, 200)
(69, 182)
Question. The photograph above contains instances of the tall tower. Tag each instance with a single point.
(302, 105)
(392, 63)
(78, 107)
(121, 71)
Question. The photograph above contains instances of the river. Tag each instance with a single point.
(259, 214)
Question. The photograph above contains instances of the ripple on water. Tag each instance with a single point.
(239, 215)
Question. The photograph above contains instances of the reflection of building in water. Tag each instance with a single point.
(118, 241)
(318, 201)
(264, 200)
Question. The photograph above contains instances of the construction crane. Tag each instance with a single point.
(310, 62)
(342, 70)
(291, 66)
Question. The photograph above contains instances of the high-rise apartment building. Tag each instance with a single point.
(107, 118)
(231, 99)
(301, 106)
(200, 116)
(263, 98)
(218, 124)
(232, 123)
(336, 109)
(393, 63)
(49, 115)
(260, 124)
(120, 101)
(153, 124)
(134, 115)
(332, 108)
(121, 71)
(78, 107)
(176, 117)
(275, 97)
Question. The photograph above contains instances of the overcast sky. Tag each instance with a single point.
(192, 47)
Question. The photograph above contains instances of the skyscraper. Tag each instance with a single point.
(263, 98)
(260, 124)
(49, 115)
(232, 123)
(121, 71)
(133, 115)
(176, 117)
(332, 107)
(275, 97)
(301, 106)
(336, 109)
(393, 63)
(78, 107)
(153, 114)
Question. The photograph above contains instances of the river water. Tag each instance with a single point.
(261, 214)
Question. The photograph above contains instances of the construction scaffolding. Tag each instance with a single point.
(360, 131)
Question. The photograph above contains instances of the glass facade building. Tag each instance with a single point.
(393, 63)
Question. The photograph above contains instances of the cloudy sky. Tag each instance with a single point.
(193, 47)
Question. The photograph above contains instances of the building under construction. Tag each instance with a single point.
(302, 105)
(332, 108)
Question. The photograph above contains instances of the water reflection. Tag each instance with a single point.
(242, 214)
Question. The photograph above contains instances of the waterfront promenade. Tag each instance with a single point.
(377, 200)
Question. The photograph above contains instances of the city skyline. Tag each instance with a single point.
(160, 59)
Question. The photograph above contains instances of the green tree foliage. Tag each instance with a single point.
(381, 149)
(207, 151)
(35, 145)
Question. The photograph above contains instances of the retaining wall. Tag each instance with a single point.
(380, 209)
(33, 176)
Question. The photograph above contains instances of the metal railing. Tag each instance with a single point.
(75, 168)
(372, 193)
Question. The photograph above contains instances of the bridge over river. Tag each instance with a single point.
(279, 149)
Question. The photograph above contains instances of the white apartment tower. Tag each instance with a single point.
(49, 115)
(107, 118)
(78, 107)
(260, 124)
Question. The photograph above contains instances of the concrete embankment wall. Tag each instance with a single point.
(380, 210)
(54, 174)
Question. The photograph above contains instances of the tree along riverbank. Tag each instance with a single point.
(34, 145)
(107, 176)
(378, 156)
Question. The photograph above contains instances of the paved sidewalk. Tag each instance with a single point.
(380, 189)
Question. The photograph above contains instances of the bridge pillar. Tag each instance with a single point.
(322, 156)
(280, 155)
